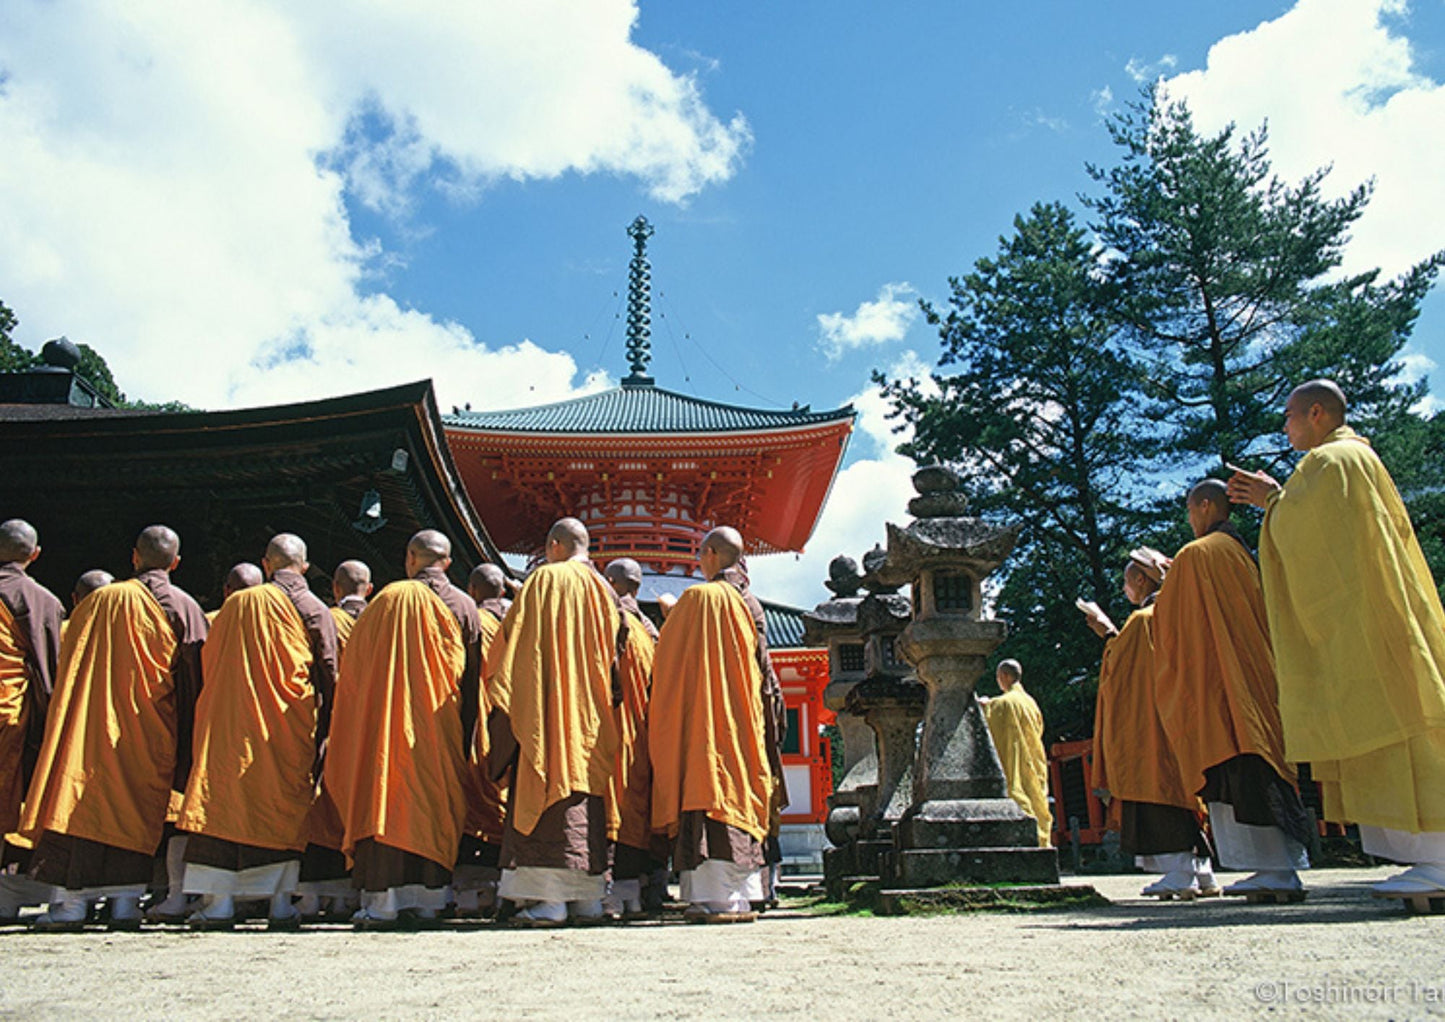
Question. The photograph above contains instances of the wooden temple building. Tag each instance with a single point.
(649, 471)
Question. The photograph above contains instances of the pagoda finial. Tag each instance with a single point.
(639, 305)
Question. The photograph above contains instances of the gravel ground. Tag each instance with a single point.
(1340, 954)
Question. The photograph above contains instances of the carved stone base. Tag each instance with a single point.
(842, 824)
(838, 865)
(971, 841)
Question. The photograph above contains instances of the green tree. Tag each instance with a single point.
(1037, 406)
(12, 356)
(1224, 277)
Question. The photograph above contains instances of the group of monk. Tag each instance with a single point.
(1328, 650)
(390, 758)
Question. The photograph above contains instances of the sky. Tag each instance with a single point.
(245, 203)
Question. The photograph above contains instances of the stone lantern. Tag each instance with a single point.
(891, 700)
(961, 826)
(834, 623)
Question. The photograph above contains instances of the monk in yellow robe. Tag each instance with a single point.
(629, 798)
(553, 699)
(1134, 771)
(176, 907)
(324, 871)
(30, 630)
(1017, 727)
(124, 696)
(708, 738)
(397, 756)
(1359, 638)
(270, 668)
(1215, 685)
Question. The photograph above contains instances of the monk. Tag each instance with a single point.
(270, 668)
(553, 699)
(350, 587)
(176, 907)
(477, 872)
(629, 803)
(709, 739)
(324, 872)
(1215, 686)
(30, 629)
(1017, 727)
(1359, 638)
(1134, 771)
(129, 671)
(398, 751)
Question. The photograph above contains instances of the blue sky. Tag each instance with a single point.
(322, 199)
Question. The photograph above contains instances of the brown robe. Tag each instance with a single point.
(27, 677)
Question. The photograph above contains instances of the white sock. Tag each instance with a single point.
(218, 906)
(309, 904)
(281, 907)
(124, 907)
(556, 911)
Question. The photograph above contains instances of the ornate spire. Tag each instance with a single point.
(639, 306)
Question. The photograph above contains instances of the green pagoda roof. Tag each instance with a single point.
(634, 408)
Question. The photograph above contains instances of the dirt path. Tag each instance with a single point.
(1338, 955)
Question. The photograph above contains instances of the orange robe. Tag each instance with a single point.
(394, 765)
(255, 739)
(554, 683)
(706, 734)
(635, 667)
(486, 798)
(109, 756)
(1132, 758)
(344, 624)
(1214, 671)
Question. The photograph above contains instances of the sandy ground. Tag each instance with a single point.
(1338, 955)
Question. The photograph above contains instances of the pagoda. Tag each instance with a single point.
(649, 471)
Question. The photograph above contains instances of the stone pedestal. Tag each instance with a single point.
(961, 826)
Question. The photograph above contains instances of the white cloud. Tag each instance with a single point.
(175, 177)
(1338, 85)
(867, 494)
(1102, 100)
(882, 321)
(1144, 72)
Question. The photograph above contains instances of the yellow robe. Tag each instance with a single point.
(14, 718)
(1359, 637)
(486, 798)
(255, 737)
(554, 682)
(394, 765)
(1214, 672)
(109, 755)
(1132, 759)
(344, 624)
(1017, 728)
(706, 736)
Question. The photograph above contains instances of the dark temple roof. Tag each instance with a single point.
(784, 625)
(354, 476)
(641, 409)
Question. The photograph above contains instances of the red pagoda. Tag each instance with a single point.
(650, 471)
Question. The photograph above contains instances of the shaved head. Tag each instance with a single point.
(351, 578)
(1210, 491)
(157, 547)
(726, 543)
(242, 576)
(1011, 669)
(567, 540)
(286, 551)
(1325, 393)
(427, 548)
(487, 582)
(625, 574)
(18, 541)
(95, 578)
